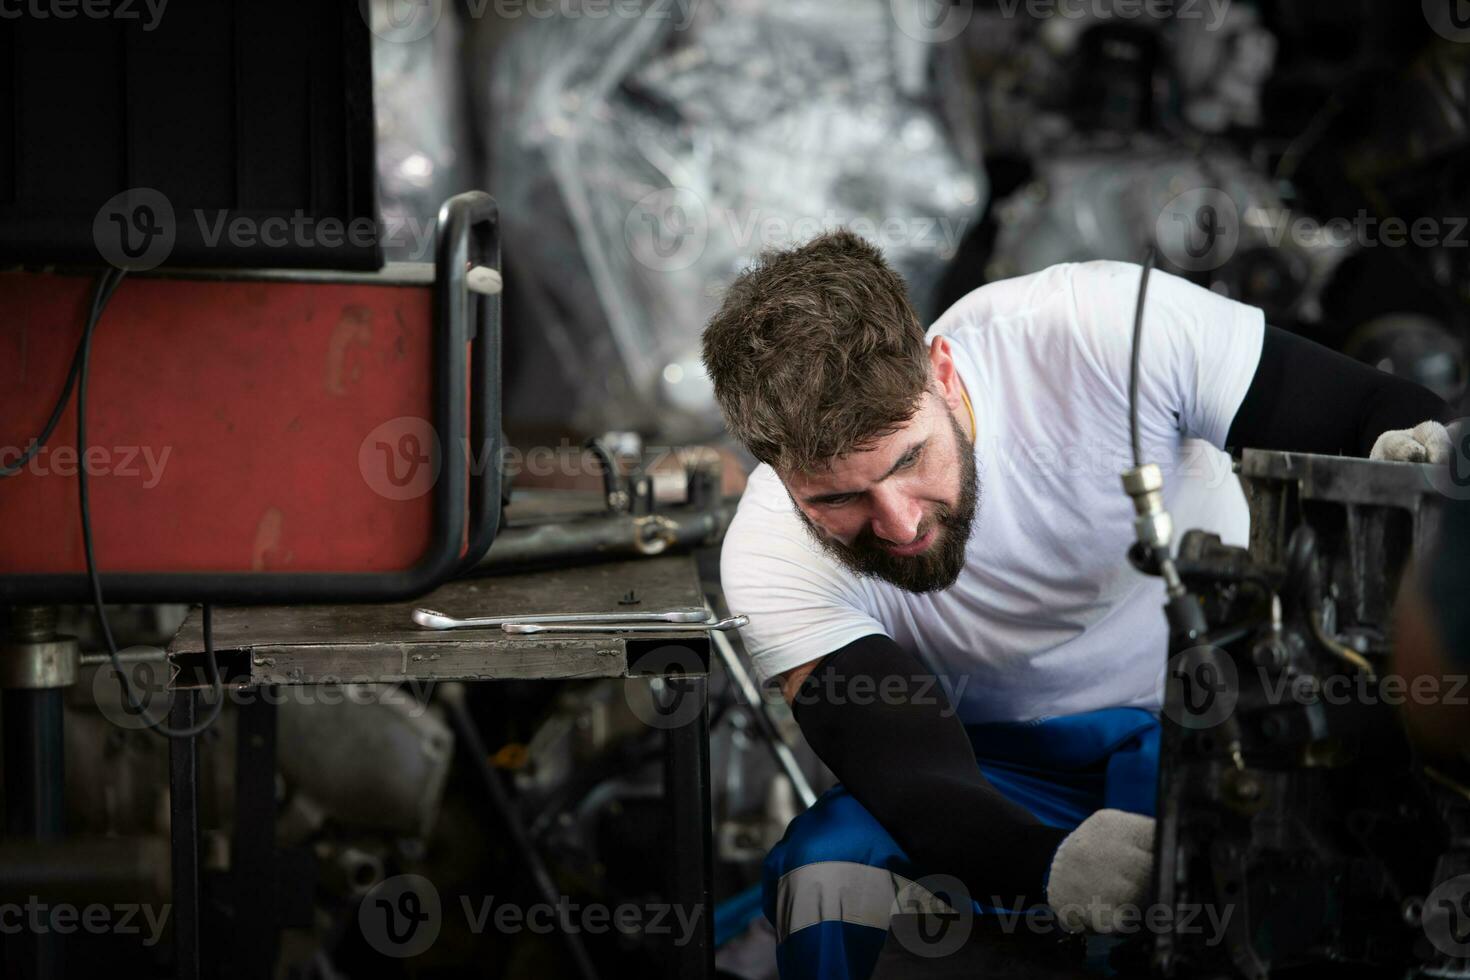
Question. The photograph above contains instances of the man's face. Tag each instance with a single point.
(902, 509)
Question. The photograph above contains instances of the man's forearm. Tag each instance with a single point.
(1307, 398)
(908, 760)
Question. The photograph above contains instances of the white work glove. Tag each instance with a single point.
(1107, 862)
(1427, 442)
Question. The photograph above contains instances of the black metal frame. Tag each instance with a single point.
(687, 804)
(183, 805)
(468, 232)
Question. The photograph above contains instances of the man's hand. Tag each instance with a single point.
(1104, 865)
(1427, 442)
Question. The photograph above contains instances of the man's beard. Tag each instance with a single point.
(936, 567)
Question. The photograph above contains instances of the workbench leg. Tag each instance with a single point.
(255, 927)
(687, 798)
(183, 795)
(35, 781)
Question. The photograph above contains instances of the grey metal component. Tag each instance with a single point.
(350, 871)
(376, 758)
(1345, 479)
(606, 537)
(1153, 526)
(750, 694)
(1305, 811)
(730, 623)
(1372, 515)
(439, 621)
(136, 655)
(33, 656)
(39, 664)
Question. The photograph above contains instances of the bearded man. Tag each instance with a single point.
(932, 556)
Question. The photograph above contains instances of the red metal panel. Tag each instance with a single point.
(230, 425)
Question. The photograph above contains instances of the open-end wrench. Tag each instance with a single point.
(439, 621)
(732, 623)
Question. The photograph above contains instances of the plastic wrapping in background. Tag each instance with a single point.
(422, 135)
(642, 162)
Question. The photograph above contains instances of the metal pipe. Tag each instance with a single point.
(603, 538)
(81, 871)
(133, 656)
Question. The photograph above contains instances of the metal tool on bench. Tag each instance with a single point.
(439, 621)
(728, 623)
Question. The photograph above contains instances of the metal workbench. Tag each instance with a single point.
(272, 646)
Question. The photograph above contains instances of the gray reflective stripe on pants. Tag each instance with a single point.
(845, 891)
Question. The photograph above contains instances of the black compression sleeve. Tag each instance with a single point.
(873, 714)
(1306, 398)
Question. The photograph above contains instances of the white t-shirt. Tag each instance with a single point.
(1047, 618)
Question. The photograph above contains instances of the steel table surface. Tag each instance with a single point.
(272, 646)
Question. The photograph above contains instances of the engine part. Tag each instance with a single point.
(373, 758)
(1290, 798)
(601, 538)
(348, 871)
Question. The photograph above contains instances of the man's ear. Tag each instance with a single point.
(941, 367)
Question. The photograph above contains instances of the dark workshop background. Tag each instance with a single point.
(642, 154)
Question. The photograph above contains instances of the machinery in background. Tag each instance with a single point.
(644, 161)
(1261, 153)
